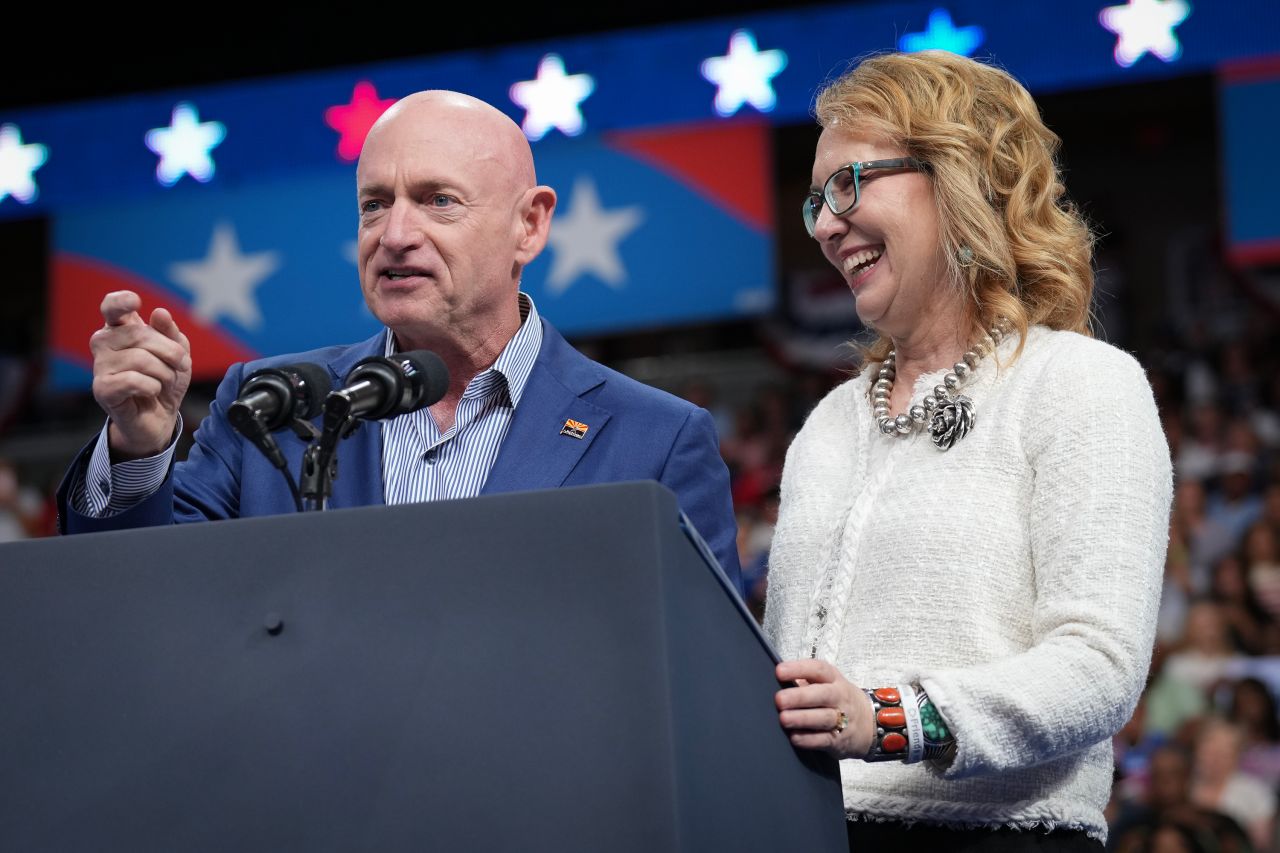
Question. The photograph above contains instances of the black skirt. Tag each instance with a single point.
(872, 837)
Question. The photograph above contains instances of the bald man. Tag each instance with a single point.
(450, 215)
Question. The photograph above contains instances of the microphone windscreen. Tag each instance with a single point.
(316, 384)
(429, 369)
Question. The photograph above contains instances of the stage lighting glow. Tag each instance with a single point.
(941, 34)
(18, 164)
(553, 99)
(185, 146)
(744, 75)
(1145, 26)
(353, 119)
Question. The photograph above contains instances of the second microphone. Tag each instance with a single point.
(386, 386)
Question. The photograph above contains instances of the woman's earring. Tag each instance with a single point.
(964, 255)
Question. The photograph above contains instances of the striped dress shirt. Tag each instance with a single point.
(419, 462)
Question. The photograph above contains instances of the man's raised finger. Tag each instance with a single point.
(120, 307)
(162, 321)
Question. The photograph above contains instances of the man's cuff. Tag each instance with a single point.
(110, 489)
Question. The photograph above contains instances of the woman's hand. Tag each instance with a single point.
(811, 713)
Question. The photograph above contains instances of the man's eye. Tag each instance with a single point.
(441, 200)
(370, 206)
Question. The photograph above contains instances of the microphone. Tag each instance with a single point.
(274, 396)
(378, 387)
(271, 398)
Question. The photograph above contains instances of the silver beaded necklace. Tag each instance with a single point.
(949, 415)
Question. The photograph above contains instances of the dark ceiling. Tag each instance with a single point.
(99, 54)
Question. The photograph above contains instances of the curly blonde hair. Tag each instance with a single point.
(992, 162)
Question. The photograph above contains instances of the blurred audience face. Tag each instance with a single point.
(1253, 708)
(1236, 364)
(1169, 785)
(1271, 505)
(1217, 751)
(1206, 424)
(1169, 838)
(1260, 545)
(1188, 503)
(1240, 437)
(1229, 583)
(1236, 484)
(1207, 629)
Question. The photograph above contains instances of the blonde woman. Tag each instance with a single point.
(967, 566)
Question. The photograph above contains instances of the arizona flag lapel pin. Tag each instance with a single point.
(577, 429)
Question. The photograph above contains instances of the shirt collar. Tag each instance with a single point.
(515, 362)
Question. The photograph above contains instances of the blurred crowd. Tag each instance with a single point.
(25, 511)
(1198, 766)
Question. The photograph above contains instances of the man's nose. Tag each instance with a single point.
(403, 230)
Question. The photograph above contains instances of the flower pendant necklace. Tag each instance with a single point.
(949, 414)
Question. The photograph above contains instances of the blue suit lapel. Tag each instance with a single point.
(359, 481)
(534, 454)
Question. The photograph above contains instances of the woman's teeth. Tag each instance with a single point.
(859, 261)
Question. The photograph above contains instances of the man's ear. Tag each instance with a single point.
(536, 209)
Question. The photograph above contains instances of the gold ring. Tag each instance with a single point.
(841, 724)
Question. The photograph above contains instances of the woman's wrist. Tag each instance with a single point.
(908, 727)
(939, 742)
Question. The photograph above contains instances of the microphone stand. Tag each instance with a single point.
(320, 461)
(377, 388)
(250, 424)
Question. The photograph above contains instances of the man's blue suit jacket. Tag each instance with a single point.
(634, 433)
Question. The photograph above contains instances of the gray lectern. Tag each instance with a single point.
(542, 671)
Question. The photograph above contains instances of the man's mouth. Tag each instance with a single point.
(399, 273)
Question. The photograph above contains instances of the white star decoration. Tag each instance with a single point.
(586, 239)
(184, 146)
(1145, 26)
(223, 283)
(18, 164)
(744, 75)
(553, 99)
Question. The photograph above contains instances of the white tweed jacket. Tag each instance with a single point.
(1015, 577)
